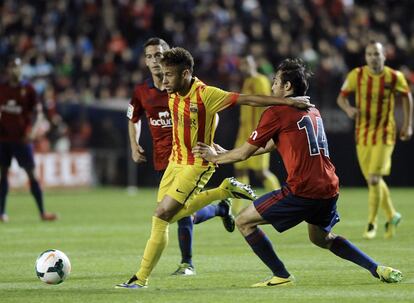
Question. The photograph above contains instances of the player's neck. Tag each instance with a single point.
(186, 87)
(376, 71)
(157, 79)
(289, 94)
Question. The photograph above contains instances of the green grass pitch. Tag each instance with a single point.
(104, 232)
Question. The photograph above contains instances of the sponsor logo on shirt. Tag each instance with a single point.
(11, 107)
(253, 136)
(164, 120)
(130, 111)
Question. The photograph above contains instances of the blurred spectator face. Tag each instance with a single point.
(13, 70)
(375, 57)
(174, 78)
(247, 65)
(153, 55)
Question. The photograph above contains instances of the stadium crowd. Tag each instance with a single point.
(89, 50)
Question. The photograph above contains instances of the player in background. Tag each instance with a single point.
(193, 107)
(312, 187)
(19, 120)
(376, 88)
(254, 83)
(151, 98)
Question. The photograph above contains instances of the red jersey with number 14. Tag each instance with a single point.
(154, 103)
(301, 141)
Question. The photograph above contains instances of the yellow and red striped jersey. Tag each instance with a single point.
(250, 115)
(375, 100)
(193, 117)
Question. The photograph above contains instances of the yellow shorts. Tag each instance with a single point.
(375, 159)
(256, 163)
(181, 182)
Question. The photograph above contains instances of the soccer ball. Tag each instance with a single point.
(52, 266)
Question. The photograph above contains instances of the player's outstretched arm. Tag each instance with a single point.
(210, 154)
(270, 145)
(262, 100)
(407, 127)
(344, 104)
(137, 152)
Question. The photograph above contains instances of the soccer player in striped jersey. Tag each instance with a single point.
(376, 89)
(312, 187)
(193, 107)
(257, 84)
(151, 98)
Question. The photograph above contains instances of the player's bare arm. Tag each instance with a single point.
(261, 100)
(270, 145)
(406, 131)
(238, 154)
(343, 103)
(137, 152)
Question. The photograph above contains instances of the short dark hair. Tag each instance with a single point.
(156, 41)
(294, 71)
(178, 56)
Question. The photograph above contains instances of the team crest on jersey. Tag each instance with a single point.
(193, 108)
(130, 111)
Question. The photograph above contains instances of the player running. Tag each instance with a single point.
(193, 107)
(312, 187)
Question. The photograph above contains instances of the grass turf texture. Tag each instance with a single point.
(104, 232)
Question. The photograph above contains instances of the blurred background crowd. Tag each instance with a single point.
(89, 52)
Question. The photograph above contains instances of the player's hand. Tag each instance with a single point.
(205, 151)
(352, 112)
(138, 154)
(406, 133)
(301, 102)
(219, 149)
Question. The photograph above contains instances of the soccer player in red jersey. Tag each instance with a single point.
(18, 111)
(311, 189)
(151, 98)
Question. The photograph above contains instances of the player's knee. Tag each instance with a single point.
(163, 213)
(243, 224)
(320, 241)
(374, 180)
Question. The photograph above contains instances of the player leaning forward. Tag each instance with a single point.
(311, 189)
(193, 107)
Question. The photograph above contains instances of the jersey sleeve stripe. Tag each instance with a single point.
(358, 103)
(385, 125)
(368, 109)
(177, 148)
(201, 118)
(187, 131)
(379, 109)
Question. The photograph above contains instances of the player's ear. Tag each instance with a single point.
(287, 86)
(186, 73)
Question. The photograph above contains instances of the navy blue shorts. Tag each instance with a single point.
(21, 151)
(284, 210)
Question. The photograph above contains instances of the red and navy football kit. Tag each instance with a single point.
(312, 187)
(17, 109)
(154, 102)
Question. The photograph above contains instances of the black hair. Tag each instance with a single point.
(294, 71)
(178, 56)
(157, 41)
